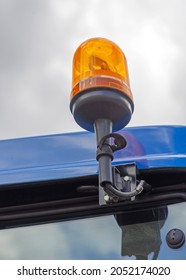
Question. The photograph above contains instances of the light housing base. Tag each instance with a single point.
(101, 103)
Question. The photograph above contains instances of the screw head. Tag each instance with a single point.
(175, 238)
(126, 178)
(106, 197)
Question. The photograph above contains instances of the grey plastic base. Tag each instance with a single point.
(102, 103)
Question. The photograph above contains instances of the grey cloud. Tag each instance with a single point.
(38, 39)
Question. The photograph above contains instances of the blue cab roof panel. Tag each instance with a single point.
(69, 155)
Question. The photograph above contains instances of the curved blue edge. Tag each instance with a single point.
(70, 155)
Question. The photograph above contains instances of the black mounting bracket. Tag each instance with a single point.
(124, 180)
(114, 186)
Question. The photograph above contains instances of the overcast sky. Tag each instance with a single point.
(39, 37)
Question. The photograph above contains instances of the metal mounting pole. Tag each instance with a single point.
(103, 127)
(104, 153)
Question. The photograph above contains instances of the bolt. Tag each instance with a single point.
(106, 197)
(126, 178)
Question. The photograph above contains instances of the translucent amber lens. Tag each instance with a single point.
(99, 62)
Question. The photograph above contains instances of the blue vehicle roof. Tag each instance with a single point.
(70, 155)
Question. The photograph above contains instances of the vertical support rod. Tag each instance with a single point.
(103, 127)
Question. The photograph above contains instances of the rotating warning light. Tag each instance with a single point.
(100, 85)
(101, 102)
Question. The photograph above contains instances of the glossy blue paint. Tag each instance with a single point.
(73, 155)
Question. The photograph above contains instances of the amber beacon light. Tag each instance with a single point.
(100, 85)
(101, 99)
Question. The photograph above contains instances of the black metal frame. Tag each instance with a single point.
(78, 198)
